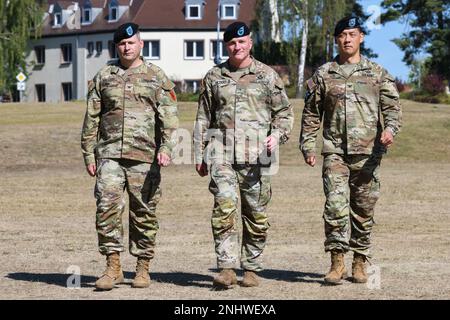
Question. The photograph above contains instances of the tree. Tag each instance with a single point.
(306, 28)
(275, 21)
(302, 59)
(19, 20)
(430, 31)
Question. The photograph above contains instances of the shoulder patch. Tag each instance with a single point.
(173, 96)
(91, 85)
(310, 87)
(168, 85)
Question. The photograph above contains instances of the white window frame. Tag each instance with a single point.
(112, 48)
(195, 57)
(150, 57)
(55, 20)
(68, 86)
(188, 12)
(37, 88)
(70, 53)
(234, 17)
(39, 50)
(110, 13)
(92, 45)
(98, 52)
(222, 49)
(83, 21)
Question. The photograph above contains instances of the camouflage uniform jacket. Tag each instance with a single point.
(352, 108)
(130, 114)
(256, 104)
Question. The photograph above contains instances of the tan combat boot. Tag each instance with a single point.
(225, 279)
(113, 273)
(142, 278)
(337, 271)
(359, 274)
(250, 279)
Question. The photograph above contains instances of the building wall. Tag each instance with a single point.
(172, 59)
(83, 67)
(53, 73)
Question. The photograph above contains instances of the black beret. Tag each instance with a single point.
(235, 30)
(125, 31)
(347, 23)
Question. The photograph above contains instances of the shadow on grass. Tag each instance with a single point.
(286, 275)
(61, 279)
(292, 276)
(177, 278)
(58, 279)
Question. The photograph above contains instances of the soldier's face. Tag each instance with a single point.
(349, 41)
(239, 48)
(130, 49)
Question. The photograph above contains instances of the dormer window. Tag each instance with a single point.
(57, 19)
(228, 11)
(113, 14)
(86, 15)
(194, 9)
(193, 12)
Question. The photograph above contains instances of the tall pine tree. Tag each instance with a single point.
(430, 31)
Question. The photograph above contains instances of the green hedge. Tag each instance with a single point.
(421, 96)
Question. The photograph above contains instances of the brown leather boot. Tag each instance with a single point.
(142, 278)
(337, 271)
(250, 279)
(359, 274)
(226, 279)
(113, 273)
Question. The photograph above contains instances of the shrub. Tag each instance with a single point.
(434, 84)
(401, 86)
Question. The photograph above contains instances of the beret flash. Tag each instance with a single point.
(125, 31)
(235, 30)
(347, 23)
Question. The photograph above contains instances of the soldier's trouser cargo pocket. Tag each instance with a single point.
(141, 180)
(352, 187)
(255, 191)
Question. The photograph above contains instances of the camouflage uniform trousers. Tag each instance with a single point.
(255, 191)
(141, 181)
(352, 187)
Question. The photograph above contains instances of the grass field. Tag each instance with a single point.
(47, 212)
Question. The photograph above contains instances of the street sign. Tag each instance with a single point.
(21, 86)
(21, 77)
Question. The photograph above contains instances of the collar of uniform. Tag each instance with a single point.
(363, 64)
(117, 68)
(226, 68)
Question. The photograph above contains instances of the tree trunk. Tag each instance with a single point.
(275, 27)
(302, 58)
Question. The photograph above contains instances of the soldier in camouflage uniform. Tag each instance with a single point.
(244, 103)
(126, 137)
(358, 102)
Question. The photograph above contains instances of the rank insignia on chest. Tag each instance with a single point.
(222, 83)
(129, 86)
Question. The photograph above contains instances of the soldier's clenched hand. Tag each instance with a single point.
(91, 169)
(202, 169)
(387, 139)
(163, 159)
(311, 160)
(270, 143)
